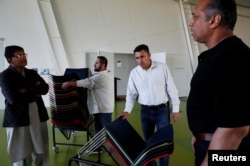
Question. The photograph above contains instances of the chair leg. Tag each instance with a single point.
(54, 139)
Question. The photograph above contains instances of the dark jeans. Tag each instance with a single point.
(102, 120)
(151, 118)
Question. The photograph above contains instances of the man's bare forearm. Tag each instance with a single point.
(221, 141)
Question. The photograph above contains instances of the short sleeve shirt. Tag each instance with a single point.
(219, 88)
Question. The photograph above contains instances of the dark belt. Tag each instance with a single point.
(154, 107)
(204, 136)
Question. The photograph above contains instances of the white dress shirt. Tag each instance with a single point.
(152, 87)
(100, 92)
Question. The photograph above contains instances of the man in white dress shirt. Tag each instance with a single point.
(152, 84)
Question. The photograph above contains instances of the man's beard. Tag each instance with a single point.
(97, 69)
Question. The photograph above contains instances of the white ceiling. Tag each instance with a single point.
(244, 3)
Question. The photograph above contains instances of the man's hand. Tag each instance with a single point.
(193, 140)
(124, 115)
(175, 116)
(68, 84)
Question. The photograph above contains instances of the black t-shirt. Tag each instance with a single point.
(219, 88)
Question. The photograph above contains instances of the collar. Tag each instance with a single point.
(153, 65)
(104, 71)
(15, 70)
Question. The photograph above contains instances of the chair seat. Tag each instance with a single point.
(131, 149)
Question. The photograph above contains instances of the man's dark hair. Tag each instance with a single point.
(141, 47)
(103, 60)
(226, 8)
(10, 51)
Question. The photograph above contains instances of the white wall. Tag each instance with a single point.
(118, 26)
(21, 24)
(124, 63)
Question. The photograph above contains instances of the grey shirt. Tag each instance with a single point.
(100, 92)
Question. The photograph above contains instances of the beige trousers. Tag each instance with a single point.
(23, 142)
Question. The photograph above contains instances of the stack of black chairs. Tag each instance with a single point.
(68, 108)
(126, 147)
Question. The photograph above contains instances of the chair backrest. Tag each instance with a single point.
(131, 149)
(80, 72)
(67, 106)
(124, 139)
(160, 144)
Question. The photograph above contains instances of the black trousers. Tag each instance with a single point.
(201, 147)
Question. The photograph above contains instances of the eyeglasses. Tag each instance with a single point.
(20, 55)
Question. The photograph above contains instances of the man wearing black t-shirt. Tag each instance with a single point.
(217, 109)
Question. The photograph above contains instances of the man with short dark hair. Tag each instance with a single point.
(217, 107)
(100, 93)
(152, 84)
(25, 114)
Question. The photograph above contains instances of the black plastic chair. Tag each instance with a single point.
(126, 147)
(68, 108)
